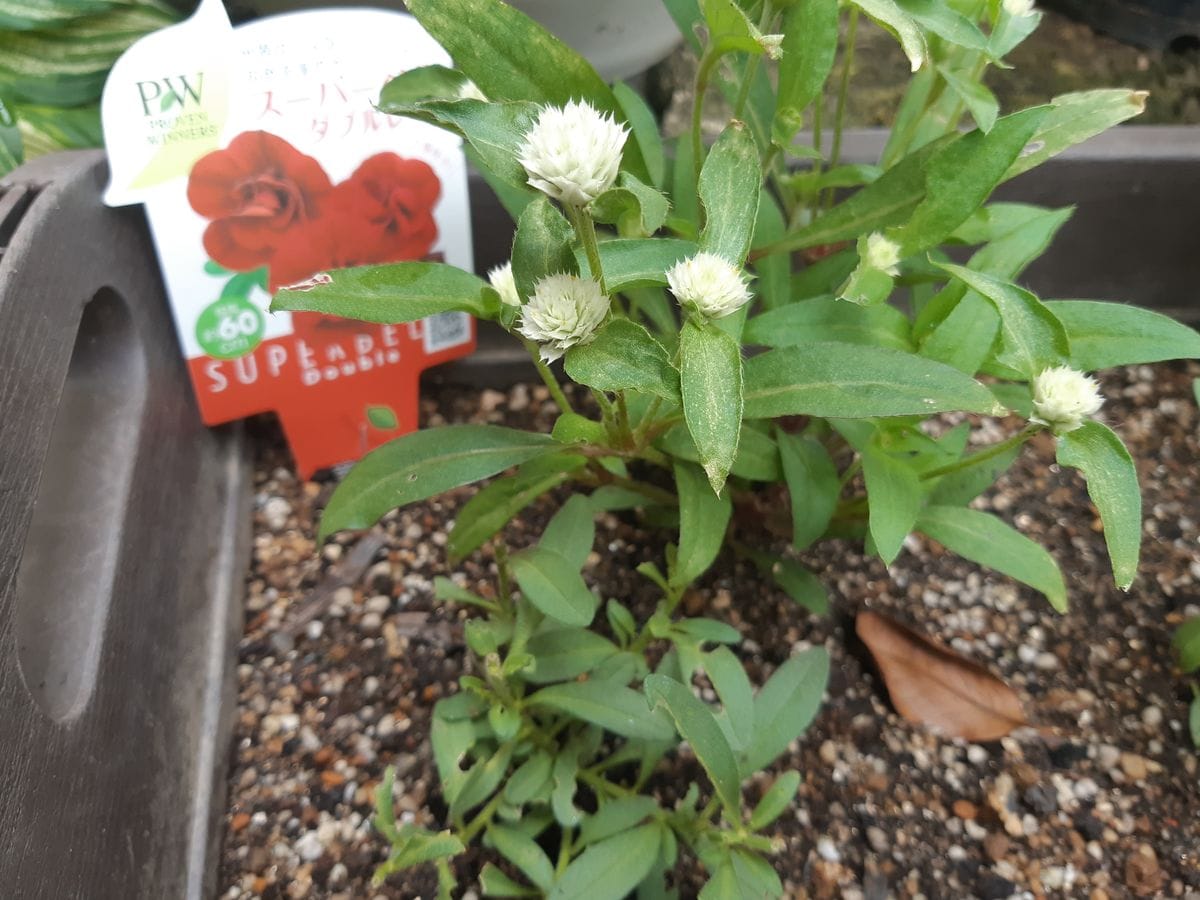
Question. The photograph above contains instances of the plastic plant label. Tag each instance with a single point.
(262, 162)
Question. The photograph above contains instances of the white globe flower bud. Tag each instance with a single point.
(883, 254)
(1018, 8)
(564, 311)
(1064, 397)
(708, 284)
(572, 152)
(501, 279)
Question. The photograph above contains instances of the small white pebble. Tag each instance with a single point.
(1152, 717)
(309, 847)
(827, 850)
(314, 629)
(370, 622)
(976, 755)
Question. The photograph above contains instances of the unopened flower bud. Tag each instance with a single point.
(708, 284)
(883, 254)
(572, 152)
(1063, 398)
(501, 279)
(564, 311)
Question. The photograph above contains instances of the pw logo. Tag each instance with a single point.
(168, 92)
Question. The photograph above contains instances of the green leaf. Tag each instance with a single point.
(757, 456)
(888, 14)
(639, 262)
(775, 800)
(618, 709)
(829, 319)
(801, 585)
(984, 539)
(524, 853)
(564, 653)
(425, 463)
(732, 685)
(1033, 339)
(644, 126)
(572, 531)
(552, 584)
(1194, 721)
(785, 706)
(894, 491)
(975, 96)
(1112, 483)
(445, 589)
(616, 816)
(773, 283)
(496, 884)
(28, 15)
(383, 417)
(12, 149)
(835, 380)
(810, 41)
(1186, 643)
(419, 846)
(633, 206)
(480, 782)
(610, 869)
(529, 779)
(742, 875)
(965, 338)
(1073, 118)
(711, 386)
(813, 486)
(708, 630)
(624, 356)
(730, 182)
(698, 726)
(1103, 335)
(422, 83)
(572, 428)
(384, 819)
(395, 293)
(542, 246)
(942, 19)
(703, 518)
(961, 487)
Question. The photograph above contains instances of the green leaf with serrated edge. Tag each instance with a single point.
(985, 539)
(733, 688)
(775, 800)
(571, 531)
(610, 869)
(632, 206)
(564, 653)
(942, 19)
(624, 356)
(711, 386)
(703, 518)
(894, 491)
(637, 262)
(509, 56)
(757, 456)
(901, 25)
(492, 508)
(382, 417)
(1033, 339)
(1186, 642)
(810, 41)
(1073, 118)
(395, 293)
(644, 125)
(523, 852)
(422, 846)
(618, 709)
(813, 486)
(960, 177)
(785, 706)
(981, 102)
(829, 319)
(422, 83)
(801, 585)
(773, 281)
(1103, 335)
(616, 816)
(480, 782)
(835, 380)
(708, 630)
(698, 726)
(553, 584)
(730, 182)
(496, 884)
(960, 488)
(1112, 483)
(423, 464)
(542, 246)
(529, 778)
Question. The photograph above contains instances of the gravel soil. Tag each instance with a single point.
(1101, 800)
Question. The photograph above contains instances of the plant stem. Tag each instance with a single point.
(623, 429)
(835, 153)
(556, 392)
(639, 433)
(708, 60)
(482, 820)
(983, 455)
(585, 229)
(502, 573)
(751, 70)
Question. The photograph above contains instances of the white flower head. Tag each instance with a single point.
(501, 279)
(564, 310)
(1018, 8)
(883, 254)
(709, 284)
(572, 152)
(1064, 397)
(469, 90)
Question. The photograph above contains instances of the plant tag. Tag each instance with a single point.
(262, 162)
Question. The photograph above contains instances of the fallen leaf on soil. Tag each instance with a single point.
(934, 686)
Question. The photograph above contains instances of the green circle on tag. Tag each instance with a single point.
(230, 327)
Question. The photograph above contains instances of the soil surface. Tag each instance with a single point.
(1103, 800)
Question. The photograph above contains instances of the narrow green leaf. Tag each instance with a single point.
(708, 630)
(422, 83)
(785, 706)
(571, 531)
(624, 356)
(757, 456)
(775, 800)
(554, 585)
(634, 207)
(698, 726)
(829, 319)
(942, 19)
(835, 380)
(423, 464)
(480, 782)
(732, 685)
(619, 709)
(975, 96)
(1194, 721)
(742, 875)
(422, 846)
(801, 585)
(965, 338)
(639, 262)
(542, 245)
(730, 182)
(1073, 118)
(610, 869)
(1186, 642)
(1103, 335)
(561, 654)
(810, 41)
(982, 538)
(888, 14)
(813, 486)
(703, 518)
(1112, 483)
(711, 386)
(894, 491)
(395, 293)
(529, 779)
(644, 126)
(524, 853)
(616, 816)
(496, 884)
(773, 282)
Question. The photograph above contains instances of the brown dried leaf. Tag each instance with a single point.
(934, 686)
